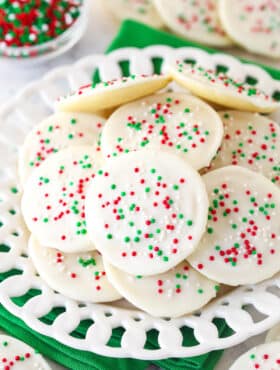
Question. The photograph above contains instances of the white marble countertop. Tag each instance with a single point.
(101, 30)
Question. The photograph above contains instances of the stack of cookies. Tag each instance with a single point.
(252, 24)
(161, 202)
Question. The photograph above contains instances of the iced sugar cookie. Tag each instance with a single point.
(57, 132)
(251, 141)
(16, 355)
(91, 98)
(253, 24)
(273, 334)
(140, 10)
(263, 357)
(241, 243)
(173, 122)
(79, 276)
(146, 211)
(54, 196)
(195, 20)
(222, 89)
(176, 292)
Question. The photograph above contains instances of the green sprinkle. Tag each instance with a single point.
(210, 230)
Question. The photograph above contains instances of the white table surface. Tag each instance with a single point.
(101, 30)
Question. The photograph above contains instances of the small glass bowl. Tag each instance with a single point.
(53, 48)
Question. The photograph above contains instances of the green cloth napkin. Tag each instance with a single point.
(137, 35)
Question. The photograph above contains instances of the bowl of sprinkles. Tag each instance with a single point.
(40, 28)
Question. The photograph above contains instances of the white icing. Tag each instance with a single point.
(263, 357)
(176, 292)
(59, 131)
(17, 355)
(250, 141)
(146, 211)
(53, 199)
(174, 122)
(253, 24)
(108, 94)
(241, 244)
(140, 10)
(80, 276)
(194, 20)
(222, 88)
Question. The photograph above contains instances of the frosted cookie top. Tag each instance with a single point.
(176, 292)
(146, 211)
(250, 141)
(107, 94)
(221, 88)
(174, 122)
(54, 196)
(80, 276)
(16, 355)
(241, 244)
(254, 24)
(140, 10)
(263, 357)
(195, 20)
(59, 131)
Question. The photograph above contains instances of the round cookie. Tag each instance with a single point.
(253, 24)
(176, 292)
(221, 88)
(54, 197)
(16, 355)
(250, 141)
(79, 276)
(91, 98)
(273, 334)
(140, 10)
(241, 244)
(174, 122)
(57, 132)
(263, 357)
(194, 20)
(146, 211)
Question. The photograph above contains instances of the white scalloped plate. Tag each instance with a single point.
(248, 310)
